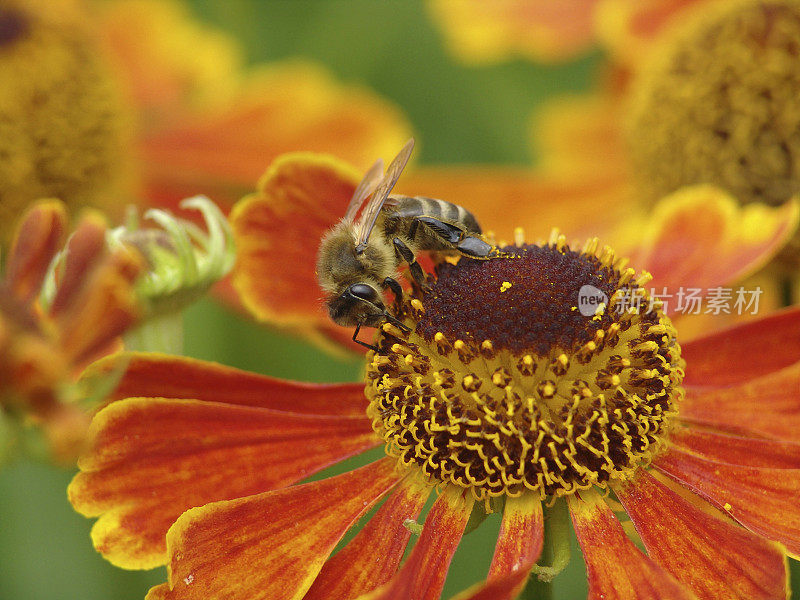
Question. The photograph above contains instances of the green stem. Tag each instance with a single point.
(555, 553)
(163, 333)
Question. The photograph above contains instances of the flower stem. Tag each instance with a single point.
(163, 333)
(555, 553)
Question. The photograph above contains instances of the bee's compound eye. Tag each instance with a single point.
(364, 291)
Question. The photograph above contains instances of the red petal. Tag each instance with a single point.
(269, 545)
(744, 352)
(373, 556)
(37, 238)
(763, 500)
(518, 548)
(738, 450)
(767, 406)
(151, 459)
(614, 566)
(717, 559)
(423, 574)
(165, 376)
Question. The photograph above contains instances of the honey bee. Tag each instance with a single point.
(359, 257)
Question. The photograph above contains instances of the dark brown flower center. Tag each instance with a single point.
(527, 372)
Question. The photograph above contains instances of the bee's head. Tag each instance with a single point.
(358, 304)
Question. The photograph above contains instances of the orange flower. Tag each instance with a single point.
(276, 281)
(499, 388)
(134, 99)
(43, 346)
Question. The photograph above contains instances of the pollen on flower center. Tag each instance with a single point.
(500, 389)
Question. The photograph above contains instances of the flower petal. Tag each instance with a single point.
(162, 375)
(423, 574)
(480, 32)
(737, 450)
(269, 545)
(697, 222)
(629, 28)
(103, 308)
(503, 198)
(300, 197)
(715, 558)
(37, 238)
(150, 459)
(614, 566)
(374, 554)
(85, 247)
(767, 406)
(755, 348)
(763, 500)
(518, 548)
(288, 107)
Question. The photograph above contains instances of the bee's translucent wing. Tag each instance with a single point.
(368, 184)
(370, 214)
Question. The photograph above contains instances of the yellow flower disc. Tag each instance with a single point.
(717, 103)
(63, 129)
(500, 389)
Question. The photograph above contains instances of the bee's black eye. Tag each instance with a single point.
(363, 291)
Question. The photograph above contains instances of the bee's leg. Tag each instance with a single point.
(365, 344)
(397, 322)
(465, 242)
(408, 255)
(393, 285)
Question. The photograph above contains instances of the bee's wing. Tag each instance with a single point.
(370, 214)
(368, 184)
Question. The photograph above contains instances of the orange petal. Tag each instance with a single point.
(84, 248)
(614, 566)
(166, 376)
(518, 548)
(37, 238)
(763, 500)
(480, 32)
(289, 107)
(767, 406)
(423, 574)
(737, 450)
(300, 197)
(701, 221)
(269, 545)
(151, 459)
(755, 348)
(700, 237)
(373, 556)
(715, 558)
(103, 309)
(503, 198)
(629, 28)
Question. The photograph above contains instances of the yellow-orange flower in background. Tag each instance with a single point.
(194, 466)
(697, 92)
(104, 104)
(43, 348)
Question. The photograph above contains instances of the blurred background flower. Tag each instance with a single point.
(166, 100)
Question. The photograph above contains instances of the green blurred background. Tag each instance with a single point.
(459, 113)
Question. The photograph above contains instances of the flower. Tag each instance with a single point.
(496, 386)
(277, 282)
(44, 343)
(707, 97)
(136, 100)
(480, 32)
(694, 92)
